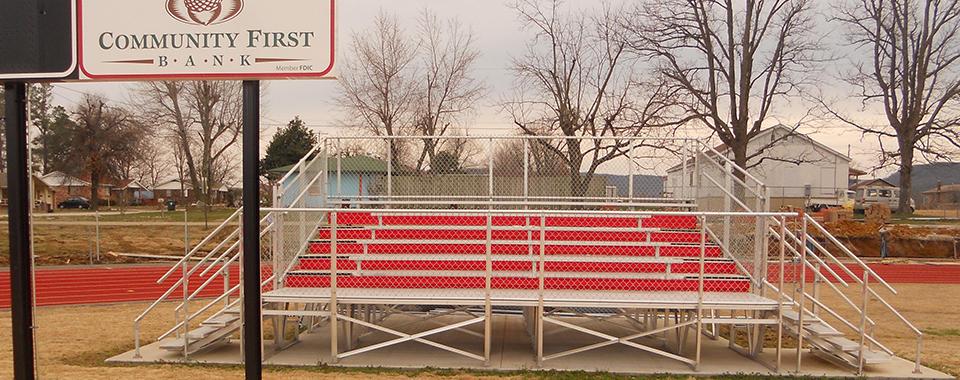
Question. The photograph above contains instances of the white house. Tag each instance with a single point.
(798, 170)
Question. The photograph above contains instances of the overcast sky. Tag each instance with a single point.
(498, 37)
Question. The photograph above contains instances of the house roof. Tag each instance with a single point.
(130, 184)
(722, 148)
(349, 164)
(872, 183)
(36, 179)
(62, 179)
(943, 189)
(857, 172)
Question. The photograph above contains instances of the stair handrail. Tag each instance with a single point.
(224, 269)
(810, 220)
(210, 305)
(197, 248)
(298, 165)
(868, 291)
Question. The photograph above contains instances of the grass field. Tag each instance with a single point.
(73, 343)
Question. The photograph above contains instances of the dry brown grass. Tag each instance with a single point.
(71, 244)
(73, 342)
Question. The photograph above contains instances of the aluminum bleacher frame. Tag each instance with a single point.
(481, 278)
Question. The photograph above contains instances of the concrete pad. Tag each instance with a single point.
(512, 349)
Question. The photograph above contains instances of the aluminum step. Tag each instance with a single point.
(793, 317)
(822, 330)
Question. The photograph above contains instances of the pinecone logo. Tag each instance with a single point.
(204, 12)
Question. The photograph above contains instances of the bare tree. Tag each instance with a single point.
(910, 69)
(731, 63)
(103, 139)
(577, 79)
(41, 113)
(155, 165)
(508, 160)
(204, 118)
(377, 85)
(445, 89)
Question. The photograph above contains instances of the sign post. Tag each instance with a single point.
(250, 231)
(21, 280)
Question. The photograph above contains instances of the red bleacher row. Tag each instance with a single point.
(513, 249)
(388, 265)
(514, 235)
(654, 221)
(428, 282)
(582, 241)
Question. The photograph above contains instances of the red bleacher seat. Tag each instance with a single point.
(658, 253)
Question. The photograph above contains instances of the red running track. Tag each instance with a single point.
(82, 286)
(892, 273)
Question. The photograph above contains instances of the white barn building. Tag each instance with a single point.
(798, 170)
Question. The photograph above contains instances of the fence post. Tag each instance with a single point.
(683, 178)
(630, 189)
(389, 169)
(340, 170)
(490, 170)
(727, 203)
(526, 172)
(97, 217)
(863, 321)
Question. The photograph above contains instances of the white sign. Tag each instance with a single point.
(206, 39)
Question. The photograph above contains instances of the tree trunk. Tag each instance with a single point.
(906, 178)
(94, 190)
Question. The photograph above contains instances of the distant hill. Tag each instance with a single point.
(925, 177)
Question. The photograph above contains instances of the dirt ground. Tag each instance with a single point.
(73, 342)
(913, 241)
(73, 244)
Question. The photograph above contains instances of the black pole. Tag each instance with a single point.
(21, 281)
(252, 356)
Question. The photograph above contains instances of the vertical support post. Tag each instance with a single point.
(863, 321)
(488, 307)
(250, 277)
(802, 297)
(700, 282)
(780, 279)
(334, 345)
(185, 330)
(540, 275)
(21, 276)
